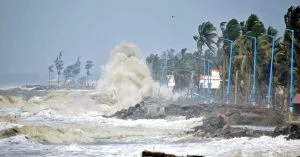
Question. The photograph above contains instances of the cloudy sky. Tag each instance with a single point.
(32, 32)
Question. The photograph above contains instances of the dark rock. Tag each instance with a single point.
(161, 154)
(218, 121)
(9, 133)
(148, 109)
(41, 88)
(156, 154)
(219, 126)
(292, 131)
(237, 114)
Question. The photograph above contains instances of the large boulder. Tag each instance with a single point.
(292, 131)
(143, 110)
(237, 114)
(161, 154)
(220, 126)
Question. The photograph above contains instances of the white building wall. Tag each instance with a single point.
(213, 81)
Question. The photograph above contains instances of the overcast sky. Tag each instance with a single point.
(32, 32)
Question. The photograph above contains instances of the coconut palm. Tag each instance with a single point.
(88, 65)
(233, 30)
(206, 37)
(59, 64)
(50, 70)
(185, 64)
(292, 21)
(230, 31)
(263, 66)
(242, 62)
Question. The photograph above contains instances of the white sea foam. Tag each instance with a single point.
(262, 147)
(125, 79)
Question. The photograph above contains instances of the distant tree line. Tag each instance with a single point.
(71, 72)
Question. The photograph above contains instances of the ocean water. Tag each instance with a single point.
(68, 123)
(114, 137)
(93, 135)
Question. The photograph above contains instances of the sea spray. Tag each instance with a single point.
(125, 79)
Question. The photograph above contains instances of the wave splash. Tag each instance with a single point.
(125, 79)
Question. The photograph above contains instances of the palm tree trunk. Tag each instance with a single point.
(199, 69)
(273, 94)
(198, 75)
(87, 78)
(49, 78)
(260, 96)
(224, 76)
(57, 78)
(248, 84)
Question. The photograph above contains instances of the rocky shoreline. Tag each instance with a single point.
(223, 121)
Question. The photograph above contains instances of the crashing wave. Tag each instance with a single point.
(125, 79)
(46, 134)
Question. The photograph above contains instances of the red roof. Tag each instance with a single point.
(296, 99)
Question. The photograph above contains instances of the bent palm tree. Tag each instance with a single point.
(206, 37)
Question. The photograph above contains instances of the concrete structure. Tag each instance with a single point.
(213, 81)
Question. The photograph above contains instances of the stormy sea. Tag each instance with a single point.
(80, 122)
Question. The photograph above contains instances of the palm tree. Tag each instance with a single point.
(59, 64)
(206, 37)
(50, 70)
(88, 65)
(272, 31)
(292, 22)
(232, 31)
(242, 62)
(184, 65)
(243, 54)
(281, 72)
(263, 66)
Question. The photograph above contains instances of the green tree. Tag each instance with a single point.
(50, 70)
(242, 62)
(243, 55)
(206, 37)
(184, 67)
(180, 64)
(71, 71)
(230, 30)
(254, 27)
(154, 62)
(292, 18)
(88, 65)
(233, 30)
(59, 64)
(272, 31)
(77, 67)
(68, 72)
